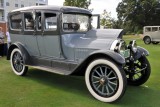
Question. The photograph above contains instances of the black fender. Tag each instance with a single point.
(116, 57)
(108, 54)
(25, 54)
(140, 52)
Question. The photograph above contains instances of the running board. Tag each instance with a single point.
(53, 70)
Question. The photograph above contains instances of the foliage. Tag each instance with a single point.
(108, 22)
(78, 3)
(105, 20)
(117, 24)
(136, 14)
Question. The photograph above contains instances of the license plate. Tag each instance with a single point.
(125, 53)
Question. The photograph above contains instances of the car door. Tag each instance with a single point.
(155, 33)
(49, 41)
(29, 34)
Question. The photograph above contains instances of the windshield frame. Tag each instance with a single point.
(68, 32)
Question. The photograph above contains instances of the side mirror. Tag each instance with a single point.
(95, 23)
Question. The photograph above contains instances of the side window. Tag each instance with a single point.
(154, 29)
(28, 21)
(39, 20)
(147, 29)
(50, 21)
(16, 22)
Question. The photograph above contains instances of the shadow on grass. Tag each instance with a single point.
(61, 82)
(134, 96)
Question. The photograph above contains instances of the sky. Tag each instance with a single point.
(97, 5)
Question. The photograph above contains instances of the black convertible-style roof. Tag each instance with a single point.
(64, 9)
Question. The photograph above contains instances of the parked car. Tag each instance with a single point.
(151, 34)
(62, 40)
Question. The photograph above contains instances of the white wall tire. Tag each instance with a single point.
(16, 61)
(121, 80)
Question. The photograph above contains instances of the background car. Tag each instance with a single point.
(151, 34)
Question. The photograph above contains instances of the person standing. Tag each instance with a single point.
(1, 42)
(8, 39)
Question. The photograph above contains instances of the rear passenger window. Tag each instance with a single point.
(154, 29)
(39, 20)
(16, 21)
(50, 21)
(29, 22)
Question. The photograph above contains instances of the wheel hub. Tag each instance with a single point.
(103, 80)
(17, 61)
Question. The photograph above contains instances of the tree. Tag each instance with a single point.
(77, 3)
(117, 24)
(138, 13)
(106, 19)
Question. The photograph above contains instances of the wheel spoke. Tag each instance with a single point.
(105, 73)
(112, 78)
(16, 56)
(15, 66)
(96, 77)
(101, 71)
(112, 83)
(96, 82)
(21, 67)
(98, 86)
(21, 62)
(110, 73)
(103, 89)
(107, 90)
(98, 73)
(110, 87)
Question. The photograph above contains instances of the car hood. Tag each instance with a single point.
(105, 33)
(93, 39)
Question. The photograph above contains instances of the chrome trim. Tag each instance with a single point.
(114, 45)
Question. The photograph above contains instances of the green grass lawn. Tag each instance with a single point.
(44, 89)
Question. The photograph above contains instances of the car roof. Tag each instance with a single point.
(64, 9)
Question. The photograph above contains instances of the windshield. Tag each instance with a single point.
(75, 22)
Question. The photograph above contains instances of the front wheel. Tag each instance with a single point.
(141, 73)
(16, 61)
(147, 40)
(105, 80)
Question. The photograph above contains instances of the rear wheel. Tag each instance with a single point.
(17, 64)
(105, 80)
(147, 40)
(155, 43)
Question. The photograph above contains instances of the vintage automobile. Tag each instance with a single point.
(64, 40)
(151, 34)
